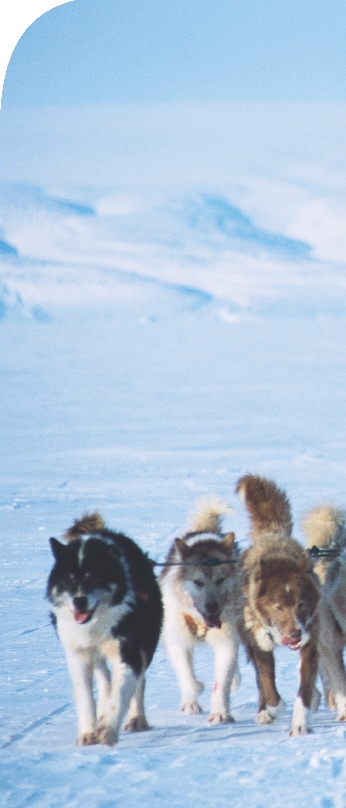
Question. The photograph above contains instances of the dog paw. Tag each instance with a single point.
(264, 717)
(330, 700)
(299, 730)
(107, 736)
(270, 713)
(87, 739)
(340, 700)
(137, 724)
(220, 718)
(191, 708)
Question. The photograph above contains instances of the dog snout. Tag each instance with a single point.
(212, 607)
(80, 603)
(296, 635)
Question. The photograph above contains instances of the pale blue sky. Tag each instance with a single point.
(130, 51)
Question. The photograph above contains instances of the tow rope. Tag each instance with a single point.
(315, 552)
(208, 562)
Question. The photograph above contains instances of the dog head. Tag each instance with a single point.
(285, 599)
(207, 586)
(87, 573)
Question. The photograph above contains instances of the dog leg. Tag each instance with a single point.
(81, 673)
(332, 667)
(136, 720)
(225, 668)
(124, 682)
(236, 679)
(327, 688)
(103, 681)
(270, 704)
(316, 700)
(306, 698)
(181, 660)
(333, 661)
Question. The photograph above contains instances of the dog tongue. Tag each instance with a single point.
(292, 644)
(212, 621)
(81, 617)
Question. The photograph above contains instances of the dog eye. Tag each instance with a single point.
(199, 584)
(219, 581)
(278, 607)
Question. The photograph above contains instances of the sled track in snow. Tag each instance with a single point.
(18, 736)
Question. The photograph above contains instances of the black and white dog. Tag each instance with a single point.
(107, 609)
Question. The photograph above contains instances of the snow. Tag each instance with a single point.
(157, 344)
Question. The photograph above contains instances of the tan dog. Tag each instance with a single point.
(325, 527)
(277, 601)
(199, 607)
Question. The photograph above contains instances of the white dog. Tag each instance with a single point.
(199, 607)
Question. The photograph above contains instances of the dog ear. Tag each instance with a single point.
(228, 540)
(182, 548)
(57, 548)
(261, 570)
(303, 563)
(260, 577)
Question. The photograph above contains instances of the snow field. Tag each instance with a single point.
(137, 396)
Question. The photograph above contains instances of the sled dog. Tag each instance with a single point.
(325, 527)
(277, 601)
(199, 607)
(107, 609)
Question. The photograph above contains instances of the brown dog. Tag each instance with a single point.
(277, 601)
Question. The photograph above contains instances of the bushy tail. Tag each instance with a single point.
(268, 507)
(207, 518)
(325, 526)
(89, 523)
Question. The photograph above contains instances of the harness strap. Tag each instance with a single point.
(318, 552)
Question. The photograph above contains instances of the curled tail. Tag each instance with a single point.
(268, 507)
(89, 523)
(325, 526)
(207, 518)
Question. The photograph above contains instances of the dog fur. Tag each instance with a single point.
(199, 607)
(107, 609)
(277, 601)
(325, 527)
